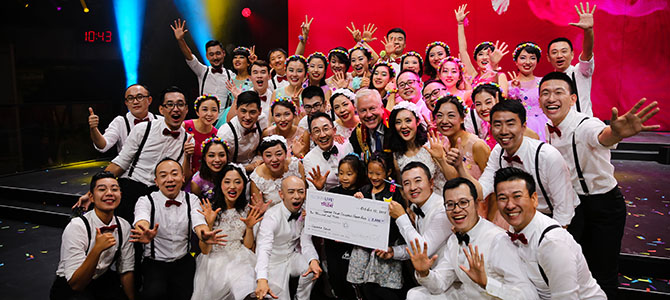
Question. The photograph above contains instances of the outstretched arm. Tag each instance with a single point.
(462, 42)
(179, 32)
(586, 23)
(629, 124)
(300, 49)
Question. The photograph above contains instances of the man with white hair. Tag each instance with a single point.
(371, 135)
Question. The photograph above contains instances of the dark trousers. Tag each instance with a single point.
(598, 227)
(107, 286)
(168, 280)
(131, 190)
(373, 291)
(337, 256)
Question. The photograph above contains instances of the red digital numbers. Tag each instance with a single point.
(98, 36)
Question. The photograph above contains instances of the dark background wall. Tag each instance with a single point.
(49, 74)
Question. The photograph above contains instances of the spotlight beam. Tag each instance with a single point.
(129, 21)
(198, 25)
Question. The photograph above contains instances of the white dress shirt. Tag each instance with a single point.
(561, 259)
(171, 240)
(554, 174)
(157, 147)
(315, 158)
(434, 229)
(506, 277)
(117, 132)
(215, 83)
(583, 75)
(266, 105)
(247, 143)
(594, 158)
(274, 84)
(278, 239)
(74, 244)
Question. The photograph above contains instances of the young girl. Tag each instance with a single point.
(339, 65)
(412, 61)
(266, 178)
(435, 53)
(296, 70)
(383, 80)
(360, 63)
(207, 110)
(283, 112)
(525, 86)
(351, 175)
(316, 70)
(378, 278)
(227, 272)
(213, 160)
(451, 73)
(342, 102)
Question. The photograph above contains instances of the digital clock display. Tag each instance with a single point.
(92, 36)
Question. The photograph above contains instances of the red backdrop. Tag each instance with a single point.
(631, 40)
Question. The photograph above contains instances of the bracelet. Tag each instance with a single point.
(302, 38)
(382, 53)
(393, 91)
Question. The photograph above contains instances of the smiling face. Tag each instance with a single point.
(409, 87)
(316, 69)
(450, 74)
(169, 178)
(283, 117)
(370, 111)
(507, 129)
(175, 115)
(376, 174)
(448, 120)
(216, 157)
(560, 56)
(240, 63)
(322, 132)
(483, 58)
(274, 157)
(293, 191)
(232, 186)
(381, 77)
(435, 55)
(411, 63)
(483, 104)
(343, 108)
(313, 105)
(516, 206)
(432, 92)
(416, 185)
(526, 62)
(277, 60)
(208, 112)
(463, 219)
(139, 108)
(295, 72)
(359, 63)
(556, 100)
(248, 114)
(215, 55)
(336, 65)
(405, 124)
(106, 194)
(347, 176)
(398, 40)
(259, 77)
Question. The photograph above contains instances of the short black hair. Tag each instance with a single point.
(98, 176)
(171, 89)
(270, 143)
(490, 89)
(528, 48)
(559, 76)
(453, 100)
(167, 159)
(285, 103)
(398, 30)
(414, 165)
(140, 85)
(512, 173)
(510, 105)
(456, 182)
(275, 50)
(315, 116)
(355, 162)
(312, 91)
(341, 56)
(249, 97)
(214, 43)
(557, 40)
(481, 47)
(425, 84)
(261, 63)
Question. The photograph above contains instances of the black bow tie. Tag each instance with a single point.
(511, 159)
(463, 237)
(218, 69)
(417, 210)
(332, 151)
(171, 202)
(137, 121)
(174, 134)
(294, 216)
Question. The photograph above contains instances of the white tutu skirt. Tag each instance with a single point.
(225, 274)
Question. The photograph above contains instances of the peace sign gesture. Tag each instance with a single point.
(514, 79)
(585, 16)
(252, 54)
(305, 26)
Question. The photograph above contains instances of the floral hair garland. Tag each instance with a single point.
(489, 83)
(385, 64)
(437, 43)
(365, 50)
(318, 55)
(518, 49)
(408, 105)
(276, 137)
(457, 61)
(346, 93)
(242, 49)
(338, 51)
(295, 57)
(281, 99)
(412, 53)
(484, 43)
(466, 109)
(203, 98)
(213, 139)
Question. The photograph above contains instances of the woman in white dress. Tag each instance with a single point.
(410, 142)
(266, 178)
(227, 271)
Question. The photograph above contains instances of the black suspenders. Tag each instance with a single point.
(117, 253)
(580, 174)
(139, 150)
(127, 125)
(537, 177)
(544, 275)
(474, 121)
(574, 81)
(232, 129)
(153, 219)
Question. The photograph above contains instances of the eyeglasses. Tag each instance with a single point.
(318, 131)
(407, 83)
(309, 108)
(433, 94)
(171, 105)
(138, 98)
(451, 205)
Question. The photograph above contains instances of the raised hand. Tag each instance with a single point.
(390, 86)
(305, 26)
(514, 79)
(389, 46)
(419, 258)
(178, 29)
(435, 149)
(585, 16)
(365, 81)
(461, 13)
(631, 123)
(262, 289)
(234, 89)
(454, 156)
(252, 54)
(477, 270)
(143, 235)
(84, 201)
(189, 145)
(340, 80)
(93, 119)
(317, 179)
(313, 268)
(254, 216)
(104, 241)
(210, 215)
(498, 53)
(257, 201)
(355, 33)
(213, 237)
(368, 32)
(395, 209)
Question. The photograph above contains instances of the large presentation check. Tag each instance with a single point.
(361, 222)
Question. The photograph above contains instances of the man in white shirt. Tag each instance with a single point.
(313, 101)
(557, 198)
(137, 101)
(163, 223)
(396, 40)
(91, 244)
(244, 132)
(491, 269)
(283, 249)
(322, 161)
(409, 89)
(585, 144)
(560, 56)
(551, 258)
(259, 71)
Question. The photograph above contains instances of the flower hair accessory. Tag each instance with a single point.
(408, 105)
(365, 50)
(281, 99)
(493, 84)
(242, 49)
(518, 49)
(412, 53)
(385, 64)
(205, 97)
(338, 51)
(317, 55)
(466, 109)
(437, 43)
(241, 170)
(346, 93)
(452, 59)
(296, 57)
(213, 139)
(354, 154)
(484, 43)
(276, 137)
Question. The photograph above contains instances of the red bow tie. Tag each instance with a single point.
(398, 60)
(281, 78)
(518, 237)
(110, 228)
(137, 121)
(172, 202)
(218, 69)
(553, 129)
(174, 134)
(512, 159)
(264, 98)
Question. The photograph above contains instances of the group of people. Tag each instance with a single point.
(497, 187)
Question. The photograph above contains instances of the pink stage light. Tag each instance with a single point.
(246, 12)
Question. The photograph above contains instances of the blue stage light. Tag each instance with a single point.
(129, 21)
(197, 23)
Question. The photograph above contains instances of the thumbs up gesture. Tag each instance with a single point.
(189, 146)
(93, 119)
(455, 157)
